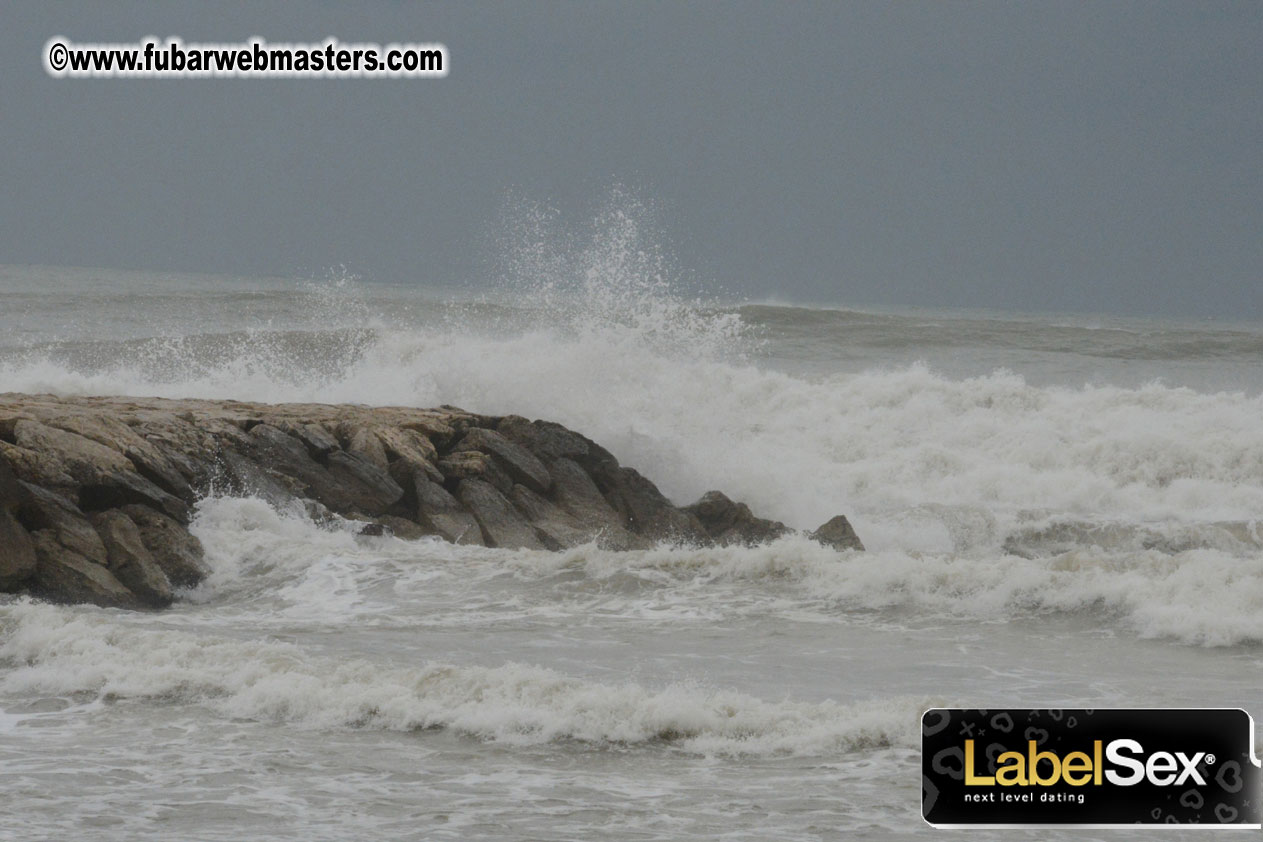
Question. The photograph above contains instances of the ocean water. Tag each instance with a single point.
(1059, 511)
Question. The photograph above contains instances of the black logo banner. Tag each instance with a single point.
(1084, 766)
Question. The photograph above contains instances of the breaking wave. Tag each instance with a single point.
(283, 568)
(60, 652)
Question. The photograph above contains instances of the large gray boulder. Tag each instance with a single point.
(17, 552)
(130, 560)
(347, 483)
(368, 488)
(148, 459)
(127, 487)
(100, 476)
(63, 575)
(64, 453)
(575, 493)
(837, 532)
(645, 510)
(729, 522)
(65, 523)
(556, 529)
(514, 459)
(242, 476)
(178, 553)
(474, 464)
(548, 440)
(443, 515)
(502, 524)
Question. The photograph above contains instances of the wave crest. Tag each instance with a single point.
(57, 651)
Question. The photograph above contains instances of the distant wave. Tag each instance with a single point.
(1108, 339)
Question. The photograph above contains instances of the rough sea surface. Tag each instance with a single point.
(1059, 511)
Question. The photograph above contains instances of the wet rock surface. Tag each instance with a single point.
(96, 493)
(837, 532)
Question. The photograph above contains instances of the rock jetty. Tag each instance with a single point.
(96, 493)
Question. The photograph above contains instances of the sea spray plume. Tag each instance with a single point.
(612, 280)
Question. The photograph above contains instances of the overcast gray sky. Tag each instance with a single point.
(1038, 156)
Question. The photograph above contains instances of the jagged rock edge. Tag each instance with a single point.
(335, 460)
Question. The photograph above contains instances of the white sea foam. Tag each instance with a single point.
(65, 651)
(282, 568)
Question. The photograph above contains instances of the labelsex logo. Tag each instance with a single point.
(1079, 769)
(1085, 766)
